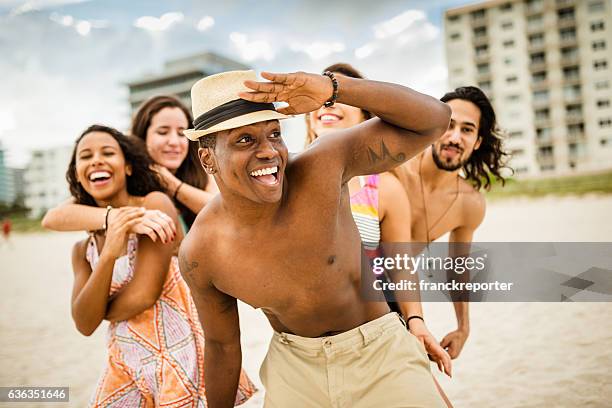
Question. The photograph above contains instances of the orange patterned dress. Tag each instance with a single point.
(155, 359)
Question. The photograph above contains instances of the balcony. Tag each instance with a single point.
(566, 23)
(575, 137)
(572, 118)
(534, 8)
(539, 85)
(481, 39)
(572, 98)
(545, 160)
(565, 3)
(480, 21)
(568, 41)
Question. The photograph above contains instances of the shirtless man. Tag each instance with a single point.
(280, 236)
(442, 200)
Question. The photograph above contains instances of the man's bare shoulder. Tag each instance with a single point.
(473, 204)
(197, 251)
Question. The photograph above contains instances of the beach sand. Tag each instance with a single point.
(518, 354)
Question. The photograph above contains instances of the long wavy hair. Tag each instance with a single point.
(141, 182)
(190, 171)
(490, 157)
(338, 68)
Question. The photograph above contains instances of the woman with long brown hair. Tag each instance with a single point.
(159, 123)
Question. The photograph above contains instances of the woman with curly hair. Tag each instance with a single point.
(159, 123)
(155, 342)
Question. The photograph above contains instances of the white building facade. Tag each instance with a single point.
(547, 67)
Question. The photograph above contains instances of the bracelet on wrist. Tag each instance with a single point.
(332, 100)
(413, 317)
(105, 225)
(177, 190)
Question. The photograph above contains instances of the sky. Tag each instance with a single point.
(65, 63)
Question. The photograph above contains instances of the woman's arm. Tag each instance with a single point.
(191, 197)
(152, 263)
(78, 217)
(91, 288)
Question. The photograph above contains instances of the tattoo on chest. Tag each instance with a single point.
(384, 154)
(187, 267)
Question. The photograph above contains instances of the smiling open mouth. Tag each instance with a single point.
(99, 177)
(268, 175)
(329, 118)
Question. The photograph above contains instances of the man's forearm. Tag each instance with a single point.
(223, 363)
(395, 104)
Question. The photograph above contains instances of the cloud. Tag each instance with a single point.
(365, 50)
(205, 23)
(164, 22)
(83, 27)
(398, 24)
(318, 49)
(251, 50)
(34, 5)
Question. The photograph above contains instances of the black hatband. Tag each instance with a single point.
(229, 110)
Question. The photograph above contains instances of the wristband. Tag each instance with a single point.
(177, 190)
(413, 317)
(108, 210)
(332, 100)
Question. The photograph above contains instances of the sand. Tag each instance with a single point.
(518, 354)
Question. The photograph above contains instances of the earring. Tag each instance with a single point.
(210, 170)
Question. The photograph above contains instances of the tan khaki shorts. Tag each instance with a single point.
(378, 364)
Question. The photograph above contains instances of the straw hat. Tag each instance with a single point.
(216, 105)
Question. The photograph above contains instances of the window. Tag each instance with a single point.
(536, 39)
(596, 6)
(571, 92)
(540, 96)
(598, 26)
(569, 53)
(508, 43)
(508, 61)
(546, 151)
(603, 103)
(542, 114)
(571, 73)
(605, 123)
(511, 79)
(455, 36)
(573, 111)
(538, 77)
(506, 7)
(517, 152)
(507, 25)
(600, 65)
(603, 142)
(483, 68)
(567, 34)
(453, 18)
(538, 58)
(598, 45)
(535, 21)
(513, 98)
(575, 130)
(515, 134)
(599, 85)
(482, 50)
(478, 14)
(485, 86)
(480, 32)
(566, 14)
(534, 5)
(543, 134)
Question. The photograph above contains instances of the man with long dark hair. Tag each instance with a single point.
(445, 180)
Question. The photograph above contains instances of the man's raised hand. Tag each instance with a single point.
(302, 91)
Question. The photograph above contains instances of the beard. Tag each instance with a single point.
(448, 165)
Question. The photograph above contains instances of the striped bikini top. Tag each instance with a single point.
(364, 206)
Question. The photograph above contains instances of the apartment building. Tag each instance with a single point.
(547, 66)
